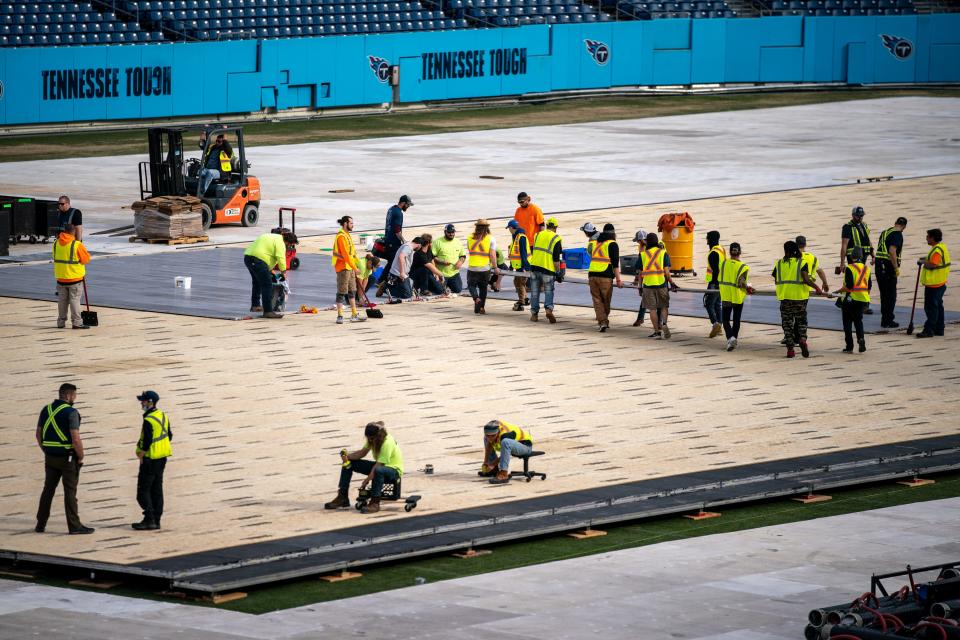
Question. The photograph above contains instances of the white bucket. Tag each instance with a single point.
(182, 282)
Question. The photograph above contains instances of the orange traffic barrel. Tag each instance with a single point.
(676, 231)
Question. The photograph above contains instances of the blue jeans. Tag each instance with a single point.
(262, 282)
(403, 289)
(426, 282)
(206, 177)
(933, 308)
(383, 474)
(711, 302)
(510, 447)
(454, 283)
(546, 282)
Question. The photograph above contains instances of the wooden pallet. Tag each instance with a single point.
(168, 241)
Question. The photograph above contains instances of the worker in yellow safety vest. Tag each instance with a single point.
(734, 288)
(519, 261)
(481, 260)
(793, 290)
(58, 435)
(547, 269)
(935, 270)
(711, 301)
(500, 441)
(347, 265)
(69, 260)
(855, 235)
(217, 161)
(657, 283)
(855, 297)
(604, 270)
(153, 449)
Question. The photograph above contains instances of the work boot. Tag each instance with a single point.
(371, 507)
(666, 332)
(487, 474)
(476, 305)
(533, 317)
(715, 331)
(256, 309)
(340, 502)
(502, 477)
(731, 344)
(791, 353)
(83, 530)
(526, 301)
(517, 306)
(804, 349)
(924, 334)
(272, 314)
(863, 345)
(848, 348)
(552, 318)
(868, 311)
(145, 525)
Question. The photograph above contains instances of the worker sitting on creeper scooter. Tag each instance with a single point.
(386, 466)
(500, 441)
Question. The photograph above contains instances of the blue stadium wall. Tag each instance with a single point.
(67, 84)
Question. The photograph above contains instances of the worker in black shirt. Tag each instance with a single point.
(889, 255)
(66, 214)
(711, 301)
(604, 269)
(153, 449)
(855, 235)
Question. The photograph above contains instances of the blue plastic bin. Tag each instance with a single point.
(576, 258)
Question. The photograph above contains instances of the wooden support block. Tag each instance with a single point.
(703, 515)
(472, 553)
(220, 598)
(340, 191)
(917, 482)
(812, 498)
(586, 533)
(340, 577)
(96, 584)
(23, 574)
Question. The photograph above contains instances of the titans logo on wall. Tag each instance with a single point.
(380, 68)
(598, 51)
(900, 48)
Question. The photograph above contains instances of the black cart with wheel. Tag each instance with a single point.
(391, 492)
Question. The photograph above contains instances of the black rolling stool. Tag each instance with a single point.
(527, 473)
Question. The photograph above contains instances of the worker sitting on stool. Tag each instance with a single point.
(386, 466)
(500, 441)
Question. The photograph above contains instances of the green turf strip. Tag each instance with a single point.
(133, 139)
(552, 548)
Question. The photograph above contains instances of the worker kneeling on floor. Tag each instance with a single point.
(386, 466)
(500, 441)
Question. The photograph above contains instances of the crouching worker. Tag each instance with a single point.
(500, 441)
(386, 466)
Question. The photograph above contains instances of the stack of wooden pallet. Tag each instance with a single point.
(168, 218)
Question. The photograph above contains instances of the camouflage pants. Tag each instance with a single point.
(793, 318)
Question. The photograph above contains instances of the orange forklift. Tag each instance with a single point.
(233, 198)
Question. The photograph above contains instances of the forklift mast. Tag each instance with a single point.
(162, 175)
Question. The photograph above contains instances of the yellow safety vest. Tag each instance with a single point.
(723, 255)
(860, 291)
(522, 435)
(225, 165)
(54, 435)
(857, 241)
(599, 256)
(352, 250)
(789, 284)
(66, 263)
(543, 245)
(730, 273)
(652, 271)
(160, 445)
(936, 276)
(515, 262)
(882, 253)
(812, 263)
(479, 251)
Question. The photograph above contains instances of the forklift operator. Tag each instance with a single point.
(216, 161)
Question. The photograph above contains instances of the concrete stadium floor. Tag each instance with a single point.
(749, 585)
(563, 167)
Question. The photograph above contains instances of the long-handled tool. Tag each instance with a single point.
(913, 309)
(370, 308)
(88, 317)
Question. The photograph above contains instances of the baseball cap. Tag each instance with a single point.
(608, 228)
(449, 227)
(552, 222)
(640, 236)
(492, 427)
(522, 195)
(588, 228)
(513, 224)
(735, 245)
(857, 211)
(152, 396)
(406, 199)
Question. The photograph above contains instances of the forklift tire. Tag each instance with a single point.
(251, 216)
(294, 264)
(206, 216)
